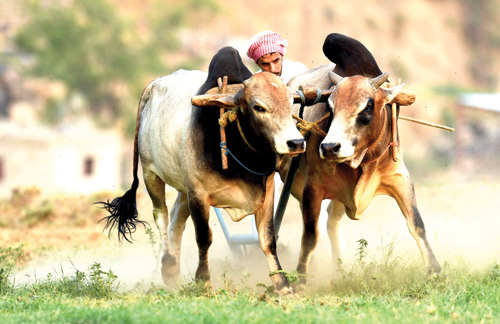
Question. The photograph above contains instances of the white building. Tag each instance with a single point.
(77, 159)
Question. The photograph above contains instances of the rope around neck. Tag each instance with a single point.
(391, 143)
(223, 145)
(231, 116)
(305, 126)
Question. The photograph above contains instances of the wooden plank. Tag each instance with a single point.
(230, 89)
(404, 98)
(207, 100)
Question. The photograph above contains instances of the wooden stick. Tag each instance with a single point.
(394, 142)
(223, 140)
(222, 88)
(418, 121)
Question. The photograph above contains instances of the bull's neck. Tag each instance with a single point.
(248, 148)
(379, 150)
(260, 160)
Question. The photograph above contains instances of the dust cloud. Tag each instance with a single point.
(461, 219)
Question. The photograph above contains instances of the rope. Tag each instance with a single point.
(391, 143)
(318, 97)
(305, 126)
(229, 117)
(303, 101)
(223, 145)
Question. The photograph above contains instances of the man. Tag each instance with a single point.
(267, 49)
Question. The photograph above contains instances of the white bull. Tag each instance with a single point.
(178, 145)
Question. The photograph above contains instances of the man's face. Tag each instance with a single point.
(271, 63)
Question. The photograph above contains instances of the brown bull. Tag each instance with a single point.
(354, 161)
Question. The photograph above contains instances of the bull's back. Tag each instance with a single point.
(164, 125)
(318, 77)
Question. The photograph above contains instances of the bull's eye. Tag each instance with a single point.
(365, 117)
(259, 108)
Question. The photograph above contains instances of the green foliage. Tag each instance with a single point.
(195, 288)
(482, 33)
(362, 246)
(85, 45)
(8, 259)
(363, 276)
(39, 213)
(100, 55)
(292, 277)
(95, 283)
(27, 207)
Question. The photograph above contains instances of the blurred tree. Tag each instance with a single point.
(482, 32)
(83, 44)
(99, 55)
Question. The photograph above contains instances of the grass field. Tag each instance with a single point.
(362, 292)
(382, 282)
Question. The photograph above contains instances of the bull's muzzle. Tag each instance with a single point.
(329, 150)
(296, 146)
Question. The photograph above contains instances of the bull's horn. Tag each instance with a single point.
(335, 78)
(378, 81)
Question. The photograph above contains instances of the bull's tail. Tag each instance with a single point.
(123, 210)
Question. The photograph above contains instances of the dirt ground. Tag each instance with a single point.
(460, 215)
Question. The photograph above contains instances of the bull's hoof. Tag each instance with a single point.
(434, 270)
(288, 292)
(299, 287)
(170, 269)
(202, 274)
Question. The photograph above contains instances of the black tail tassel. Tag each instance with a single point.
(123, 214)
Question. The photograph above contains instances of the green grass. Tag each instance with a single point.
(363, 292)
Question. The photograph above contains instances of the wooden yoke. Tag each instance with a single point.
(309, 95)
(306, 95)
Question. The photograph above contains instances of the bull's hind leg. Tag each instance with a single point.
(156, 191)
(178, 217)
(200, 213)
(311, 207)
(336, 211)
(404, 193)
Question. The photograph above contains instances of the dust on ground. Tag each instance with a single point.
(460, 215)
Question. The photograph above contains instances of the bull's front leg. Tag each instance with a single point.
(267, 240)
(404, 193)
(311, 207)
(336, 211)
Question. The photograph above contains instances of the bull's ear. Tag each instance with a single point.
(391, 93)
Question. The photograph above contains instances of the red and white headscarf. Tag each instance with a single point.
(264, 43)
